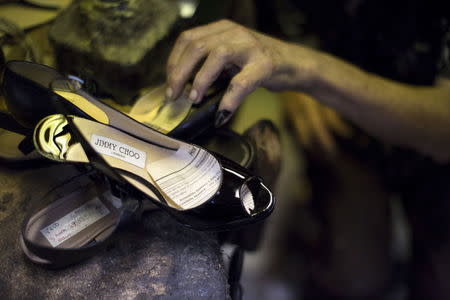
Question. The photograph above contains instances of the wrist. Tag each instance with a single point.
(299, 65)
(295, 67)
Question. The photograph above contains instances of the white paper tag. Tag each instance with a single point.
(119, 150)
(189, 177)
(75, 221)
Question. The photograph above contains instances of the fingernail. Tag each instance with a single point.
(169, 93)
(221, 117)
(193, 95)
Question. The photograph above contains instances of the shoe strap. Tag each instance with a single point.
(26, 146)
(9, 123)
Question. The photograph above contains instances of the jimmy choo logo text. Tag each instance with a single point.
(117, 148)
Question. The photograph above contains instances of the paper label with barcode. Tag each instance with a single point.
(118, 150)
(75, 221)
(190, 177)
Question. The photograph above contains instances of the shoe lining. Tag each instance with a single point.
(74, 220)
(156, 112)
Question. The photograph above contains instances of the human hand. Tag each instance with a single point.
(260, 61)
(315, 124)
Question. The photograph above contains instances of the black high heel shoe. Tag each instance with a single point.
(31, 89)
(201, 190)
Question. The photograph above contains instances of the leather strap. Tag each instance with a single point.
(9, 123)
(26, 146)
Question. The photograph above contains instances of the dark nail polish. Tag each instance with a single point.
(221, 117)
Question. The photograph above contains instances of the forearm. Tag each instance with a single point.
(405, 115)
(417, 117)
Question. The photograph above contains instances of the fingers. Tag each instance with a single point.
(294, 107)
(310, 122)
(295, 113)
(338, 125)
(245, 82)
(218, 56)
(188, 37)
(179, 75)
(321, 130)
(211, 69)
(223, 44)
(193, 34)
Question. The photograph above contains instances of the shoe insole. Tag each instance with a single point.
(105, 114)
(155, 111)
(76, 219)
(185, 175)
(152, 109)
